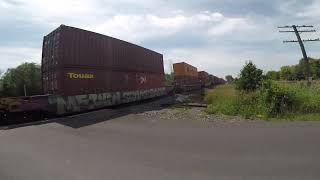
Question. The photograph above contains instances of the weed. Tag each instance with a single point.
(274, 100)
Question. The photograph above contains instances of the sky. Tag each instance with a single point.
(217, 36)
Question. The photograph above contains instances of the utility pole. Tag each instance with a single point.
(301, 41)
(25, 90)
(172, 78)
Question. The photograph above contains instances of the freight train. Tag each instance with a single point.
(188, 78)
(83, 70)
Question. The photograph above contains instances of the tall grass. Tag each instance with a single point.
(272, 100)
(222, 100)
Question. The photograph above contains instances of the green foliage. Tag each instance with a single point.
(273, 75)
(292, 73)
(226, 100)
(168, 79)
(250, 105)
(271, 100)
(222, 100)
(278, 100)
(287, 73)
(14, 79)
(263, 98)
(1, 87)
(297, 72)
(250, 78)
(315, 68)
(307, 99)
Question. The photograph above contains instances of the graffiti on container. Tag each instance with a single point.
(143, 79)
(79, 103)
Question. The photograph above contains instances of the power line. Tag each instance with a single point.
(299, 31)
(300, 41)
(308, 26)
(304, 40)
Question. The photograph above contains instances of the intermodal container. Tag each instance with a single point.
(76, 61)
(216, 80)
(184, 69)
(185, 77)
(204, 78)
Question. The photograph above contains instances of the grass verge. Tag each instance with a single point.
(274, 101)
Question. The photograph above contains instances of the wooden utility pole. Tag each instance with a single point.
(25, 90)
(300, 41)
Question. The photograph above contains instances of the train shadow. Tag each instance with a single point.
(77, 121)
(90, 118)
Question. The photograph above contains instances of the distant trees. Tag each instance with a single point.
(315, 68)
(273, 75)
(14, 80)
(287, 73)
(1, 87)
(296, 72)
(229, 78)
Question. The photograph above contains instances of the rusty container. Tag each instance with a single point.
(185, 77)
(216, 80)
(204, 78)
(76, 61)
(184, 69)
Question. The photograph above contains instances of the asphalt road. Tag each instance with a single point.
(130, 146)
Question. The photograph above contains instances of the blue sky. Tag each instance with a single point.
(217, 36)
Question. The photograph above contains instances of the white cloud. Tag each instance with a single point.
(160, 24)
(228, 25)
(149, 26)
(14, 56)
(48, 13)
(207, 16)
(4, 4)
(223, 61)
(311, 11)
(211, 60)
(140, 27)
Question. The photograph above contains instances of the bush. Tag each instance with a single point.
(271, 100)
(226, 100)
(250, 105)
(278, 100)
(307, 99)
(250, 78)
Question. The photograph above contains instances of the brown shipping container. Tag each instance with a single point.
(186, 80)
(184, 69)
(76, 61)
(204, 78)
(185, 75)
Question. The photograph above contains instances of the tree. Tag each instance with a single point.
(250, 78)
(296, 72)
(14, 80)
(229, 78)
(286, 73)
(273, 75)
(1, 87)
(315, 68)
(168, 79)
